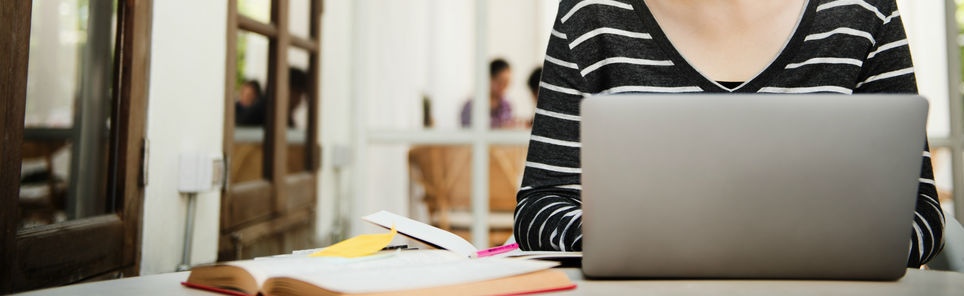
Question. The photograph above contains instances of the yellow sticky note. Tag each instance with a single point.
(362, 245)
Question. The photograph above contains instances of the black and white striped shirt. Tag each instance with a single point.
(616, 46)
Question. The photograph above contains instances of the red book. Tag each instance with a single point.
(434, 272)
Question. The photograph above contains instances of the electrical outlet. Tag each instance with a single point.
(200, 172)
(340, 156)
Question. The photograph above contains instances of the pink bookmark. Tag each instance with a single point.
(496, 250)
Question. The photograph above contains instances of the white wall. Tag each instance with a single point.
(185, 113)
(449, 69)
(926, 29)
(925, 26)
(335, 122)
(519, 34)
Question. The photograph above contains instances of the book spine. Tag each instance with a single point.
(213, 289)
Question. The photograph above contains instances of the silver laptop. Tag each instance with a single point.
(750, 186)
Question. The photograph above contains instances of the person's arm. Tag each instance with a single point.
(548, 215)
(889, 69)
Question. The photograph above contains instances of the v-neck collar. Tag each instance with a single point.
(754, 84)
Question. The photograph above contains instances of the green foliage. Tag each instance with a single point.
(241, 54)
(959, 15)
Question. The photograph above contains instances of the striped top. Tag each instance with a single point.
(616, 46)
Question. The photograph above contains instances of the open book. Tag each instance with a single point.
(442, 239)
(426, 272)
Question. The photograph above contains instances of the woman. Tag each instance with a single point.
(683, 46)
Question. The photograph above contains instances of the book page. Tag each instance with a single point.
(266, 268)
(414, 270)
(423, 232)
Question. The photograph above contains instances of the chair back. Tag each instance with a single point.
(446, 175)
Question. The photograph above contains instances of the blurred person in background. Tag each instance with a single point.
(500, 111)
(252, 104)
(249, 109)
(297, 93)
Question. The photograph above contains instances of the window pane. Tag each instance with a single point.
(299, 18)
(67, 116)
(299, 100)
(421, 63)
(420, 69)
(251, 108)
(259, 10)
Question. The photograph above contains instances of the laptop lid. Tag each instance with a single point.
(750, 186)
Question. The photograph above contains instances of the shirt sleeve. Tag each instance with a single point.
(548, 214)
(888, 68)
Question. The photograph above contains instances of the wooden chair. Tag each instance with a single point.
(445, 174)
(43, 209)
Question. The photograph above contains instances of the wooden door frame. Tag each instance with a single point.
(15, 23)
(246, 216)
(133, 67)
(74, 251)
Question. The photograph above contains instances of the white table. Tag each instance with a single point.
(916, 282)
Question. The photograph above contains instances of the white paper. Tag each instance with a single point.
(520, 254)
(423, 232)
